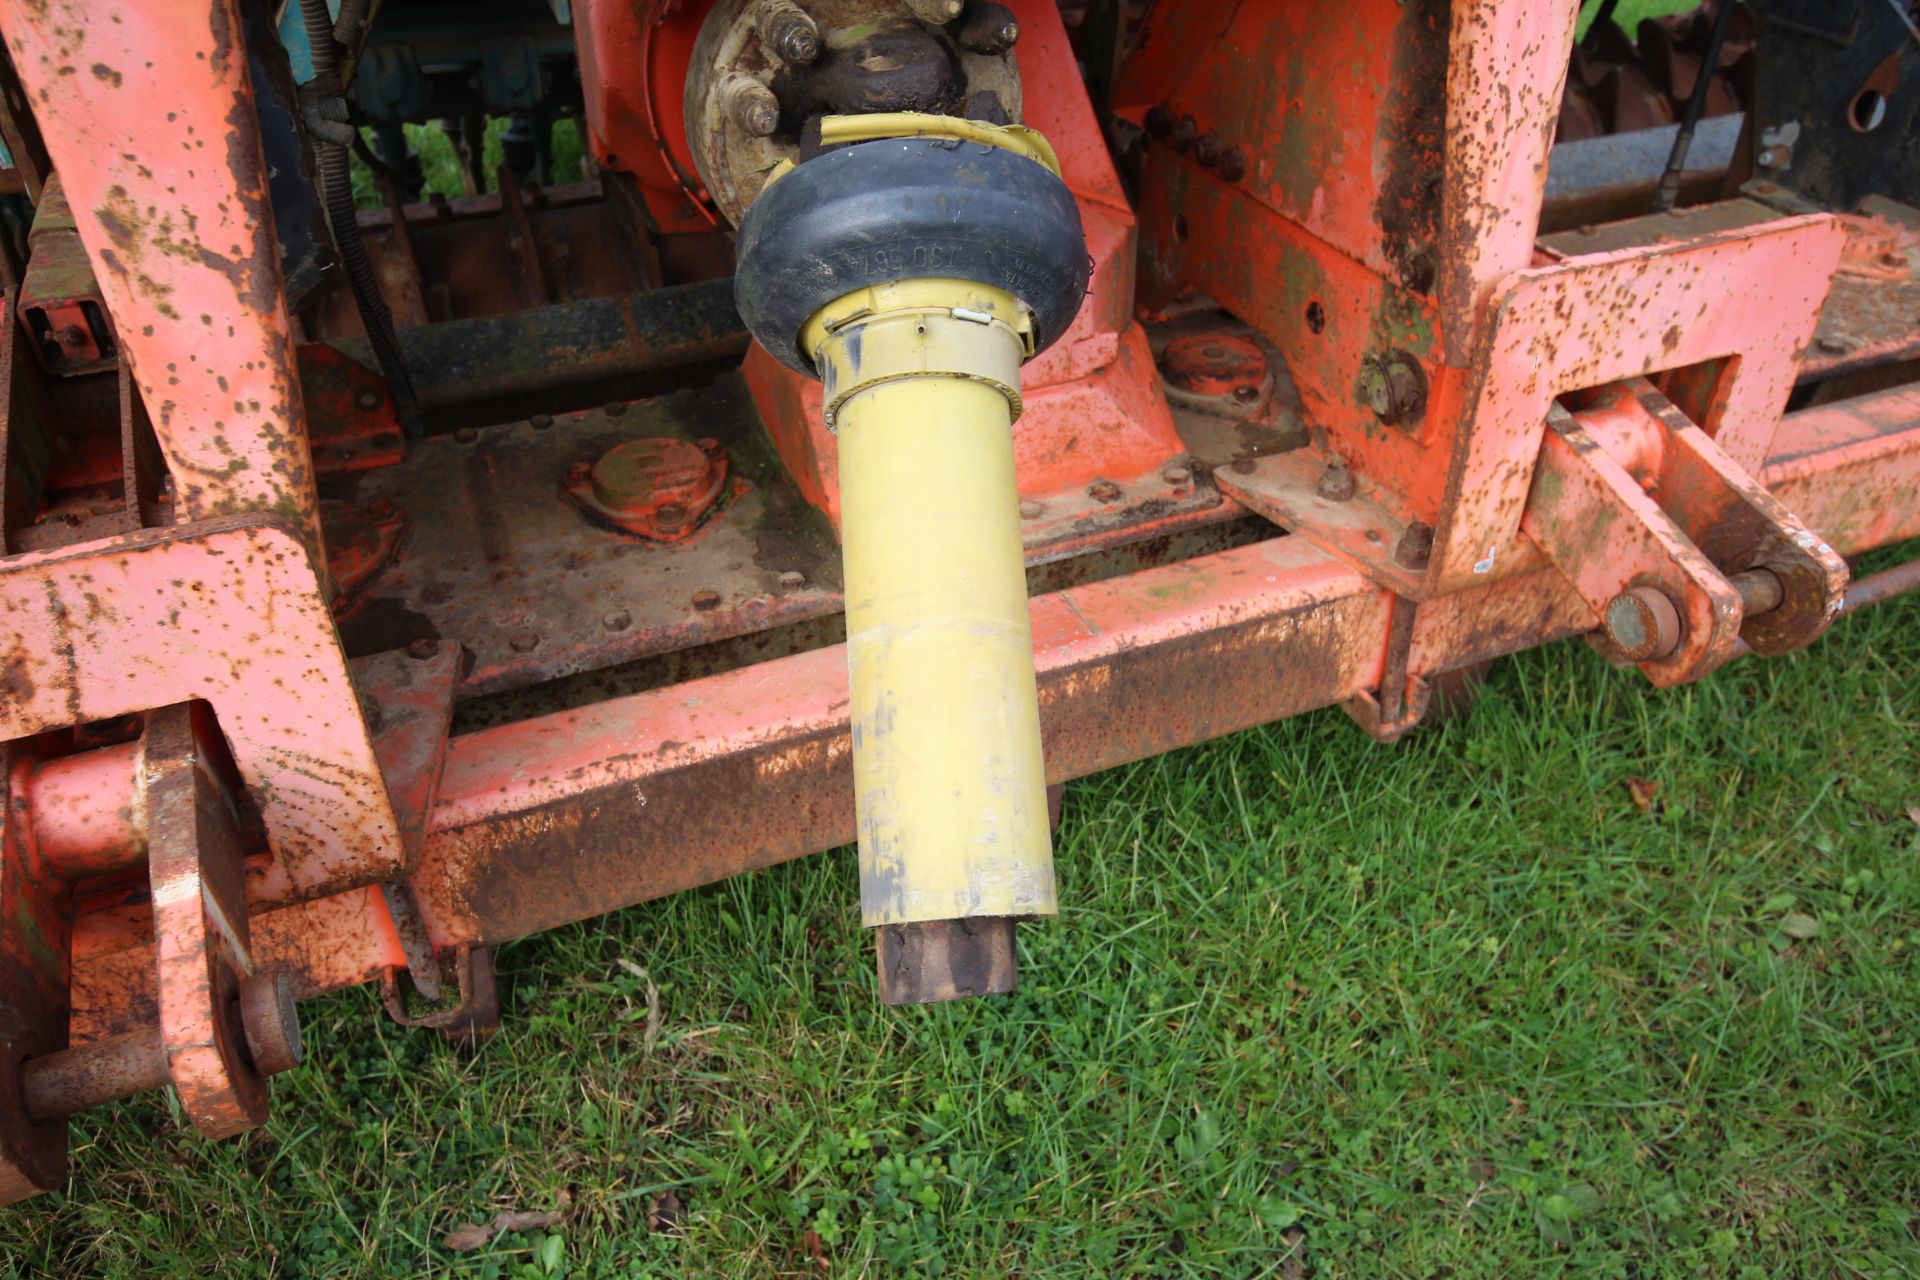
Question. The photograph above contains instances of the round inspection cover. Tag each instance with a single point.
(1214, 364)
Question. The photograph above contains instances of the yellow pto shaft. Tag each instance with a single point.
(913, 263)
(922, 382)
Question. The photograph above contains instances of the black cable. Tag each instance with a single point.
(375, 165)
(1668, 192)
(1601, 18)
(336, 191)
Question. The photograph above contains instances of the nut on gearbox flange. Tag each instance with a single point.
(760, 70)
(659, 489)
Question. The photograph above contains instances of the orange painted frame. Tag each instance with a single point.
(1094, 404)
(1094, 407)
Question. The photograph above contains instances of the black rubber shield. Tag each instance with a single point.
(903, 209)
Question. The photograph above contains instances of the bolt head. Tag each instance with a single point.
(1406, 391)
(424, 648)
(1643, 624)
(798, 42)
(1377, 392)
(540, 421)
(618, 620)
(1177, 476)
(793, 580)
(1031, 510)
(524, 641)
(1233, 164)
(1104, 491)
(369, 400)
(1415, 547)
(670, 515)
(1336, 482)
(1243, 466)
(706, 600)
(466, 435)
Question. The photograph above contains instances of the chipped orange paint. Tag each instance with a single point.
(1752, 293)
(1506, 67)
(157, 145)
(568, 815)
(1093, 404)
(87, 811)
(230, 611)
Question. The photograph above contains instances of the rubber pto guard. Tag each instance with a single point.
(908, 209)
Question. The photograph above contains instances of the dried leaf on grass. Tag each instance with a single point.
(652, 1034)
(817, 1250)
(476, 1235)
(666, 1212)
(1294, 1265)
(1642, 791)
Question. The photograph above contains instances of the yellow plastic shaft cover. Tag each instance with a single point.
(948, 778)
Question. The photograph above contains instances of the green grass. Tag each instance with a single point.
(1314, 1007)
(1629, 13)
(440, 160)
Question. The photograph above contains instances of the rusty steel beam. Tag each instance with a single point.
(1614, 176)
(181, 236)
(1851, 468)
(592, 340)
(1127, 669)
(561, 817)
(578, 813)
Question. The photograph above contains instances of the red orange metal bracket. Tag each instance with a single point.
(36, 914)
(1750, 298)
(200, 922)
(230, 611)
(219, 1027)
(181, 235)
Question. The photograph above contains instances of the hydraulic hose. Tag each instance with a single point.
(331, 142)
